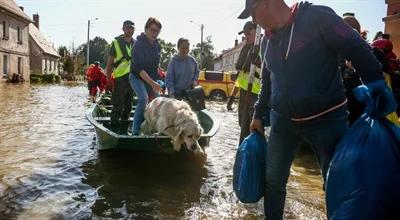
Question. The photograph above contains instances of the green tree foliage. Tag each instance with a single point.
(98, 50)
(63, 51)
(208, 54)
(167, 51)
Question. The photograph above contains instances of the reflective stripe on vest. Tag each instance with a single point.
(125, 66)
(242, 81)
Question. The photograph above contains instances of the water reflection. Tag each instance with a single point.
(142, 184)
(50, 168)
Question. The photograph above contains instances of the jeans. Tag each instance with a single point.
(142, 91)
(323, 133)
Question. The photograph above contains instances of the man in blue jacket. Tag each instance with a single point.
(302, 86)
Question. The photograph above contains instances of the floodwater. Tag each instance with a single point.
(50, 168)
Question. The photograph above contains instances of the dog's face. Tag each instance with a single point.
(190, 134)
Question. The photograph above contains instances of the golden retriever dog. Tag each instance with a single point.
(175, 119)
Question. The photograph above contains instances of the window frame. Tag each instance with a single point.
(19, 35)
(6, 34)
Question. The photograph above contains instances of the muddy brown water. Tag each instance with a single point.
(50, 168)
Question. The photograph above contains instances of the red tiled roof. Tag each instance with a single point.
(12, 7)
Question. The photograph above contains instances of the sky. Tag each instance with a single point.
(65, 22)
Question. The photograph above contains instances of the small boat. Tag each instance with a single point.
(109, 137)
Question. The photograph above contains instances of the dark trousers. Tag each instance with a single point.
(245, 111)
(121, 100)
(322, 133)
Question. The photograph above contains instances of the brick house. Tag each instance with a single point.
(392, 23)
(14, 40)
(44, 59)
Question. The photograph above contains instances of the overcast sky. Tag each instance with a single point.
(64, 22)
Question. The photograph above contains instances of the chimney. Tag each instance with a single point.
(22, 8)
(36, 20)
(236, 42)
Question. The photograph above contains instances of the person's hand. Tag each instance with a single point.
(156, 87)
(378, 97)
(109, 85)
(257, 125)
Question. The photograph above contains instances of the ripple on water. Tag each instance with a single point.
(50, 168)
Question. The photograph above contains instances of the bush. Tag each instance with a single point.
(45, 78)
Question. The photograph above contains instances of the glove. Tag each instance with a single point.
(378, 97)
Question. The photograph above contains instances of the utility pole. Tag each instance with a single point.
(87, 44)
(201, 47)
(88, 41)
(201, 43)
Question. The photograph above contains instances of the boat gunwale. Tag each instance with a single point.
(89, 115)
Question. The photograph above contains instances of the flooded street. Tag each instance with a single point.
(50, 168)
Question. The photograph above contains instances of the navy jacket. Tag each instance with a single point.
(300, 73)
(145, 56)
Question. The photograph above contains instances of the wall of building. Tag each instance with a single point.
(35, 58)
(228, 59)
(12, 47)
(392, 24)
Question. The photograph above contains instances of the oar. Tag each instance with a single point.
(255, 49)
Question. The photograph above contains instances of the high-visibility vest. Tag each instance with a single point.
(242, 82)
(393, 117)
(124, 64)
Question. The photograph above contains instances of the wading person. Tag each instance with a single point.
(243, 63)
(144, 74)
(301, 84)
(119, 65)
(183, 71)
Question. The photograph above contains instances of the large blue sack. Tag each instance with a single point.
(249, 169)
(363, 180)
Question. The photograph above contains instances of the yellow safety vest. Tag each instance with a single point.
(125, 66)
(392, 116)
(242, 82)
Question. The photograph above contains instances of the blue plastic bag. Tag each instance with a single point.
(363, 180)
(249, 169)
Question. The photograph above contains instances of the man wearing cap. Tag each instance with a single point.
(243, 67)
(119, 64)
(302, 86)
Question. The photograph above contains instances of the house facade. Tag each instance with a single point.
(44, 59)
(226, 61)
(14, 41)
(392, 23)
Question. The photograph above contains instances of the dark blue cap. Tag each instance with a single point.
(247, 10)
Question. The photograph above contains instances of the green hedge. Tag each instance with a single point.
(45, 78)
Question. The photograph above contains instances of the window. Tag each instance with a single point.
(45, 65)
(20, 65)
(19, 35)
(5, 65)
(5, 30)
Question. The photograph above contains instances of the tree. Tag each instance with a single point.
(167, 51)
(98, 50)
(63, 51)
(208, 55)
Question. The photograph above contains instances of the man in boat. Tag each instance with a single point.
(119, 64)
(303, 88)
(245, 110)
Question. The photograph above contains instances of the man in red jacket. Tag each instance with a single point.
(95, 75)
